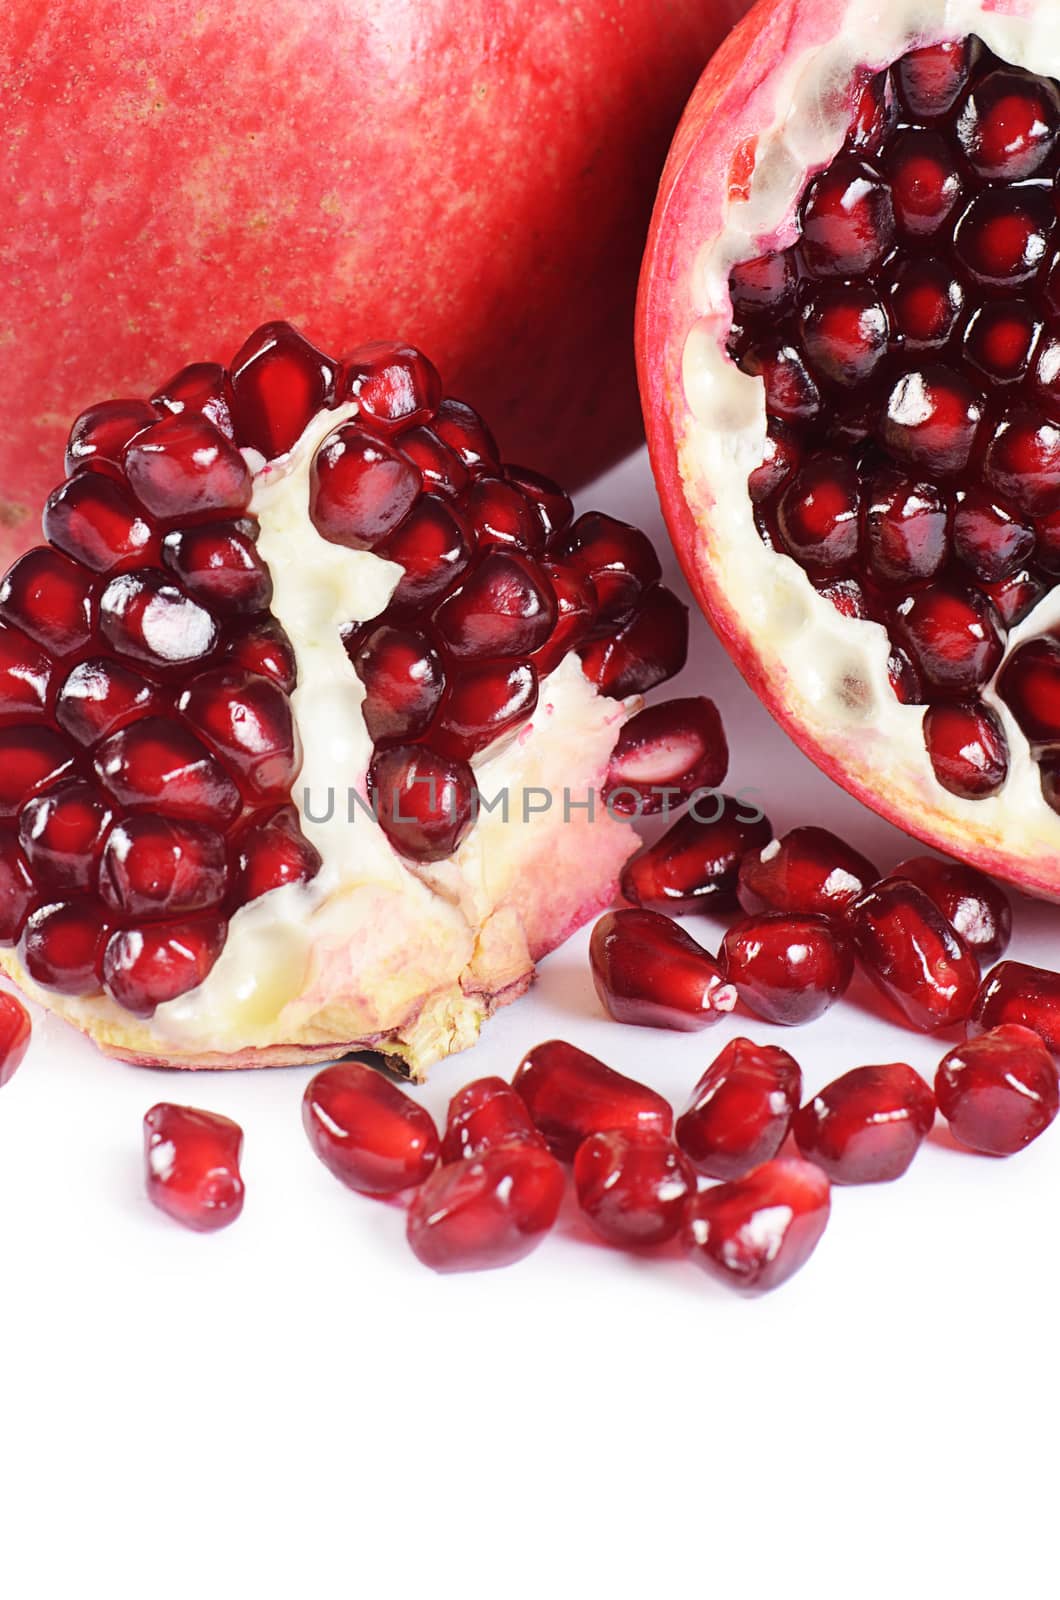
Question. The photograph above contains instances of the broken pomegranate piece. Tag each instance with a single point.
(740, 1110)
(192, 1166)
(866, 1126)
(647, 970)
(368, 1132)
(570, 1094)
(756, 1232)
(998, 1092)
(488, 1211)
(632, 1187)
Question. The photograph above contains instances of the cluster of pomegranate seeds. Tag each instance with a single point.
(648, 970)
(15, 1029)
(191, 1159)
(909, 346)
(866, 1126)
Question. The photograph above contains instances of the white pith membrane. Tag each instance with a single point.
(827, 672)
(377, 950)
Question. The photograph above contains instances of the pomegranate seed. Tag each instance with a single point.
(570, 1094)
(96, 521)
(665, 753)
(779, 462)
(952, 636)
(31, 760)
(26, 676)
(101, 696)
(809, 870)
(766, 284)
(926, 302)
(102, 432)
(145, 616)
(968, 749)
(487, 700)
(157, 763)
(904, 679)
(844, 332)
(1014, 598)
(145, 967)
(488, 1211)
(757, 1231)
(913, 954)
(925, 184)
(61, 946)
(990, 542)
(618, 561)
(15, 1029)
(157, 866)
(1000, 1091)
(847, 220)
(441, 469)
(219, 567)
(185, 468)
(279, 382)
(651, 649)
(1015, 992)
(741, 1109)
(17, 890)
(1003, 237)
(906, 539)
(248, 722)
(425, 802)
(847, 595)
(501, 517)
(1009, 124)
(361, 488)
(999, 339)
(632, 1187)
(204, 390)
(647, 970)
(403, 679)
(1029, 684)
(62, 834)
(787, 968)
(931, 419)
(696, 863)
(434, 549)
(575, 618)
(791, 393)
(1022, 462)
(931, 78)
(482, 1115)
(49, 598)
(274, 853)
(464, 431)
(875, 115)
(367, 1131)
(818, 514)
(265, 650)
(192, 1166)
(552, 504)
(504, 607)
(1046, 381)
(393, 384)
(866, 1126)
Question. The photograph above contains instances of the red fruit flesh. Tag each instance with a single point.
(787, 968)
(740, 1110)
(633, 1188)
(695, 865)
(1000, 1091)
(368, 1132)
(975, 906)
(664, 754)
(488, 1211)
(15, 1030)
(570, 1094)
(647, 970)
(192, 1166)
(809, 870)
(913, 954)
(482, 1115)
(756, 1232)
(866, 1126)
(1013, 992)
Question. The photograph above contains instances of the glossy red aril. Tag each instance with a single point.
(695, 865)
(505, 607)
(740, 1110)
(203, 388)
(153, 865)
(62, 944)
(146, 617)
(424, 802)
(502, 516)
(274, 852)
(756, 1232)
(145, 967)
(183, 468)
(18, 893)
(279, 382)
(62, 834)
(485, 1113)
(967, 747)
(157, 760)
(368, 1132)
(786, 967)
(264, 649)
(31, 760)
(1015, 992)
(974, 905)
(485, 701)
(817, 518)
(393, 384)
(1000, 1091)
(96, 521)
(647, 970)
(219, 566)
(866, 1126)
(952, 637)
(15, 1031)
(913, 954)
(403, 681)
(49, 598)
(1009, 125)
(101, 696)
(434, 548)
(617, 560)
(26, 677)
(488, 1211)
(664, 754)
(931, 77)
(652, 647)
(809, 870)
(101, 433)
(570, 1094)
(191, 1161)
(247, 721)
(1029, 685)
(633, 1188)
(361, 487)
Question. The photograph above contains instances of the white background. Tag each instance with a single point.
(296, 1407)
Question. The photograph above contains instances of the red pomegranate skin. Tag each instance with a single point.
(394, 166)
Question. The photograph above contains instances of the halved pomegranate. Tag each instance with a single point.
(849, 348)
(298, 655)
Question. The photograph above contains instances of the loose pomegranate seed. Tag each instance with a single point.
(192, 1166)
(1000, 1091)
(31, 760)
(403, 679)
(488, 1211)
(102, 432)
(393, 384)
(361, 488)
(913, 954)
(61, 946)
(664, 754)
(49, 598)
(279, 382)
(367, 1131)
(925, 184)
(696, 863)
(219, 567)
(145, 967)
(149, 619)
(647, 970)
(156, 761)
(990, 542)
(264, 649)
(504, 607)
(101, 696)
(1030, 686)
(464, 431)
(741, 1109)
(18, 893)
(618, 561)
(486, 700)
(809, 870)
(185, 469)
(930, 79)
(500, 516)
(844, 332)
(847, 220)
(787, 968)
(570, 1094)
(247, 720)
(26, 677)
(818, 514)
(482, 1115)
(425, 802)
(926, 302)
(62, 834)
(906, 538)
(952, 636)
(632, 1187)
(1015, 992)
(967, 748)
(652, 648)
(757, 1231)
(15, 1029)
(154, 866)
(274, 853)
(204, 389)
(999, 339)
(866, 1126)
(96, 521)
(931, 419)
(433, 546)
(1009, 124)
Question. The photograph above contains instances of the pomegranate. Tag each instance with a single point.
(694, 866)
(488, 1211)
(975, 906)
(786, 968)
(382, 169)
(299, 657)
(1000, 1091)
(849, 350)
(866, 1126)
(1015, 993)
(648, 970)
(913, 954)
(755, 1232)
(570, 1095)
(633, 1188)
(741, 1109)
(482, 1114)
(191, 1159)
(368, 1132)
(809, 870)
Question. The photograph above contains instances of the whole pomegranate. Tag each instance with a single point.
(849, 348)
(478, 176)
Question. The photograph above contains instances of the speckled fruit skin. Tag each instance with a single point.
(736, 98)
(478, 176)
